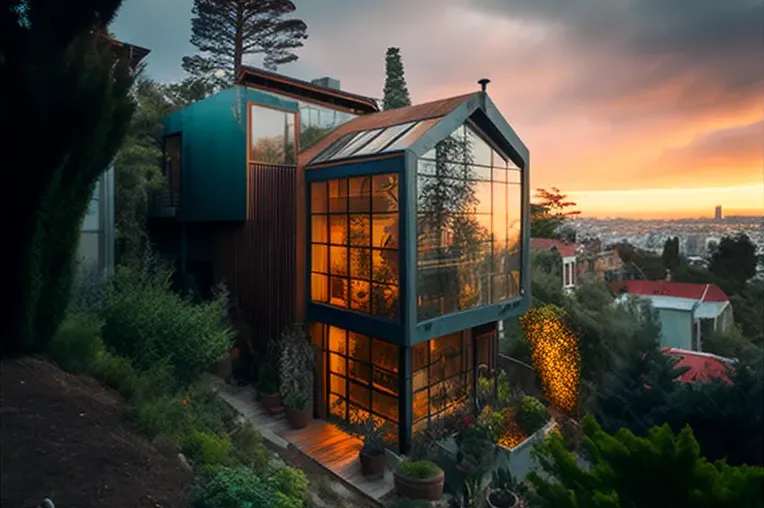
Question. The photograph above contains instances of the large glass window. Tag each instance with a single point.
(362, 377)
(354, 244)
(469, 204)
(442, 376)
(272, 133)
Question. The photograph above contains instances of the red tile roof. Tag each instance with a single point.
(383, 119)
(675, 289)
(703, 366)
(565, 249)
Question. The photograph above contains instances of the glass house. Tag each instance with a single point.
(413, 246)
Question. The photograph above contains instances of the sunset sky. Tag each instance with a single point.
(635, 108)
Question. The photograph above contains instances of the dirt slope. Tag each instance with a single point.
(64, 437)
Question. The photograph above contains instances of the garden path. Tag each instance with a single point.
(325, 443)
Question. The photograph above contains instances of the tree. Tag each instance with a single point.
(186, 92)
(58, 83)
(660, 469)
(748, 306)
(670, 256)
(730, 344)
(396, 92)
(549, 213)
(226, 31)
(734, 261)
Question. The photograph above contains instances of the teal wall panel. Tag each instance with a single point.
(676, 328)
(214, 157)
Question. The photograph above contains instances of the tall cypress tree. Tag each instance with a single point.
(225, 31)
(64, 110)
(396, 92)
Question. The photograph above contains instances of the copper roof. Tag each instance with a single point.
(383, 119)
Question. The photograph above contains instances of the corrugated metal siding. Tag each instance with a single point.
(257, 258)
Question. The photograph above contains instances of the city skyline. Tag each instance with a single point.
(617, 101)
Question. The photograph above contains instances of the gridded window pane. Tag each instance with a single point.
(385, 355)
(337, 340)
(319, 200)
(384, 301)
(385, 193)
(385, 381)
(319, 258)
(359, 371)
(500, 213)
(513, 176)
(384, 230)
(479, 151)
(358, 141)
(339, 260)
(514, 207)
(385, 405)
(319, 229)
(420, 379)
(338, 406)
(338, 291)
(479, 173)
(385, 266)
(319, 288)
(337, 384)
(338, 229)
(272, 136)
(338, 192)
(483, 197)
(360, 230)
(359, 347)
(360, 194)
(337, 364)
(360, 295)
(360, 263)
(500, 288)
(360, 395)
(419, 356)
(412, 135)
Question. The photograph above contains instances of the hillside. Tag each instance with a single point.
(64, 437)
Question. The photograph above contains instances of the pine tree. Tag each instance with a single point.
(225, 31)
(64, 110)
(396, 92)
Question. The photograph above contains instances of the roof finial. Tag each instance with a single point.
(484, 83)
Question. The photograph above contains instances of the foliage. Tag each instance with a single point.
(88, 294)
(269, 381)
(396, 93)
(226, 31)
(550, 212)
(734, 261)
(531, 415)
(56, 66)
(556, 357)
(240, 487)
(148, 323)
(748, 306)
(638, 263)
(312, 135)
(296, 365)
(373, 439)
(248, 449)
(670, 255)
(116, 372)
(77, 343)
(418, 468)
(661, 469)
(207, 448)
(138, 168)
(493, 423)
(165, 415)
(730, 344)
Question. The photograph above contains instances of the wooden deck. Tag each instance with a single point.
(325, 443)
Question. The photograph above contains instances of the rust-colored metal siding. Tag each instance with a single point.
(256, 258)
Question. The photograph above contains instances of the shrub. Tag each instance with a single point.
(165, 415)
(240, 487)
(77, 344)
(145, 321)
(248, 449)
(493, 423)
(158, 381)
(418, 468)
(296, 365)
(531, 415)
(206, 448)
(116, 372)
(208, 412)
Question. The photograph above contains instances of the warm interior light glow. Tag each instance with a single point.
(554, 349)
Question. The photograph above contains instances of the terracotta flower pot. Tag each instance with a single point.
(373, 466)
(430, 489)
(502, 499)
(272, 402)
(297, 418)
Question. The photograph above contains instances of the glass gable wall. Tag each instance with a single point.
(469, 204)
(354, 244)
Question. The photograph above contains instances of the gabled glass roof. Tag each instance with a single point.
(376, 141)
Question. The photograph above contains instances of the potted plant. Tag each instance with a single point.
(296, 365)
(501, 493)
(372, 455)
(268, 380)
(419, 479)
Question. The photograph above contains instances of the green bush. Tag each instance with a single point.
(208, 412)
(248, 449)
(116, 372)
(240, 487)
(165, 415)
(418, 468)
(531, 414)
(207, 448)
(145, 321)
(77, 343)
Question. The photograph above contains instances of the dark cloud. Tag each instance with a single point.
(626, 46)
(722, 147)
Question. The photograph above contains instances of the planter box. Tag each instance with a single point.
(518, 459)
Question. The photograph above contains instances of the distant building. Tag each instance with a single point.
(688, 312)
(606, 266)
(718, 213)
(568, 253)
